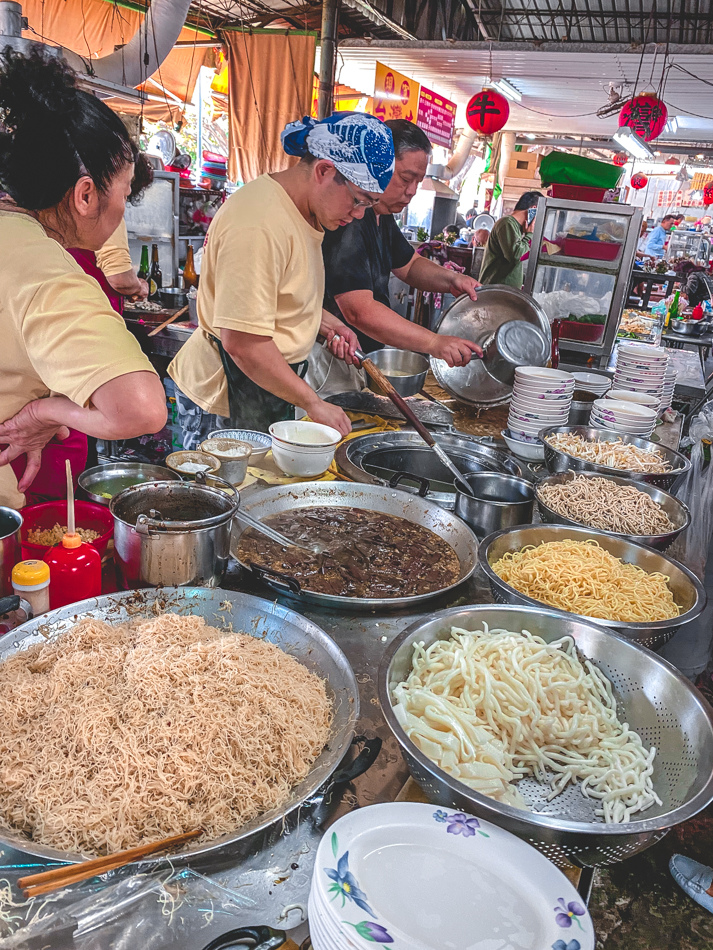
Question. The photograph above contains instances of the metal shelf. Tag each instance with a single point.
(579, 263)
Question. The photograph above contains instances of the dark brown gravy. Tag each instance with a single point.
(370, 554)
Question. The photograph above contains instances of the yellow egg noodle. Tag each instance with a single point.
(582, 578)
(490, 707)
(113, 736)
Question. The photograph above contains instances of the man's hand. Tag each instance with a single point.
(454, 350)
(26, 434)
(346, 346)
(329, 415)
(142, 293)
(462, 284)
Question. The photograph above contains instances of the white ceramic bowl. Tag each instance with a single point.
(626, 411)
(543, 373)
(259, 442)
(530, 451)
(303, 449)
(627, 395)
(591, 382)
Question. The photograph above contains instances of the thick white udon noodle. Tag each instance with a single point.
(492, 706)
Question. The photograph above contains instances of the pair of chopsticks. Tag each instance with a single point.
(35, 884)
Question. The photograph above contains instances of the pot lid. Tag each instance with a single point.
(477, 320)
(522, 344)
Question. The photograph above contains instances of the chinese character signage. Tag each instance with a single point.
(437, 117)
(395, 95)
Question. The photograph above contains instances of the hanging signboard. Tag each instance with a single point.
(395, 95)
(437, 117)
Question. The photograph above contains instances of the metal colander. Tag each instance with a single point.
(652, 696)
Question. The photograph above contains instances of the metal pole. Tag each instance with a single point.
(328, 52)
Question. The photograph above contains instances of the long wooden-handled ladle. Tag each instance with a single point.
(403, 407)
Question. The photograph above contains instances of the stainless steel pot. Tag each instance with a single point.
(10, 550)
(100, 480)
(229, 611)
(389, 501)
(406, 371)
(498, 501)
(172, 533)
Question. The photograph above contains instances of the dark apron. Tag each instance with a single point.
(251, 406)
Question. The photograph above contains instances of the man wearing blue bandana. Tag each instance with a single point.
(262, 281)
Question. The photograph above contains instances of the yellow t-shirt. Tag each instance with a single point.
(262, 272)
(58, 331)
(113, 256)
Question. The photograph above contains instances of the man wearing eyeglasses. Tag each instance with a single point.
(262, 282)
(360, 258)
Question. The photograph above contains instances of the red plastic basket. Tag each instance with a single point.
(576, 192)
(591, 250)
(88, 515)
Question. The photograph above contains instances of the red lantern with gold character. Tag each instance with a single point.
(639, 181)
(708, 194)
(487, 112)
(620, 159)
(646, 115)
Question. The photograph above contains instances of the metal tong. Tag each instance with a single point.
(275, 535)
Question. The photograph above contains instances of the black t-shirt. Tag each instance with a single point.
(361, 256)
(699, 287)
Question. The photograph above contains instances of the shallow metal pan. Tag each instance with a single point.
(389, 501)
(266, 619)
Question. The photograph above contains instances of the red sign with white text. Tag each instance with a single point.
(437, 117)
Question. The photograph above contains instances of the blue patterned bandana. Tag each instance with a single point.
(357, 144)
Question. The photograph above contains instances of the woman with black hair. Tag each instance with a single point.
(67, 360)
(698, 285)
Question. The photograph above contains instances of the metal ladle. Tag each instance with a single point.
(276, 536)
(406, 410)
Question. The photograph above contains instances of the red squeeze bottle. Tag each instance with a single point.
(75, 566)
(75, 571)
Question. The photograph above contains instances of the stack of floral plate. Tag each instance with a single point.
(628, 418)
(418, 877)
(595, 383)
(641, 368)
(540, 398)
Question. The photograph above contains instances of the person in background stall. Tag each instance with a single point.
(360, 258)
(508, 242)
(480, 237)
(67, 359)
(643, 237)
(697, 286)
(658, 237)
(262, 281)
(470, 216)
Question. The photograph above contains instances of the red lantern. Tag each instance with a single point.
(708, 194)
(487, 112)
(672, 161)
(639, 181)
(646, 115)
(621, 158)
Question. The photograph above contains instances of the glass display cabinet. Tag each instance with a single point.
(689, 245)
(579, 269)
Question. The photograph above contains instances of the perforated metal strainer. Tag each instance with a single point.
(652, 696)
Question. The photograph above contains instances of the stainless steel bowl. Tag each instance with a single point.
(172, 297)
(498, 501)
(123, 475)
(652, 696)
(688, 327)
(678, 513)
(688, 592)
(406, 371)
(557, 461)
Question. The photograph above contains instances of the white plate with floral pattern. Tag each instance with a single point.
(419, 877)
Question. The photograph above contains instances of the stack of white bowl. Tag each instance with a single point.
(669, 384)
(540, 398)
(626, 417)
(595, 383)
(641, 368)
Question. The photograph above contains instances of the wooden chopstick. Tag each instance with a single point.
(162, 326)
(45, 881)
